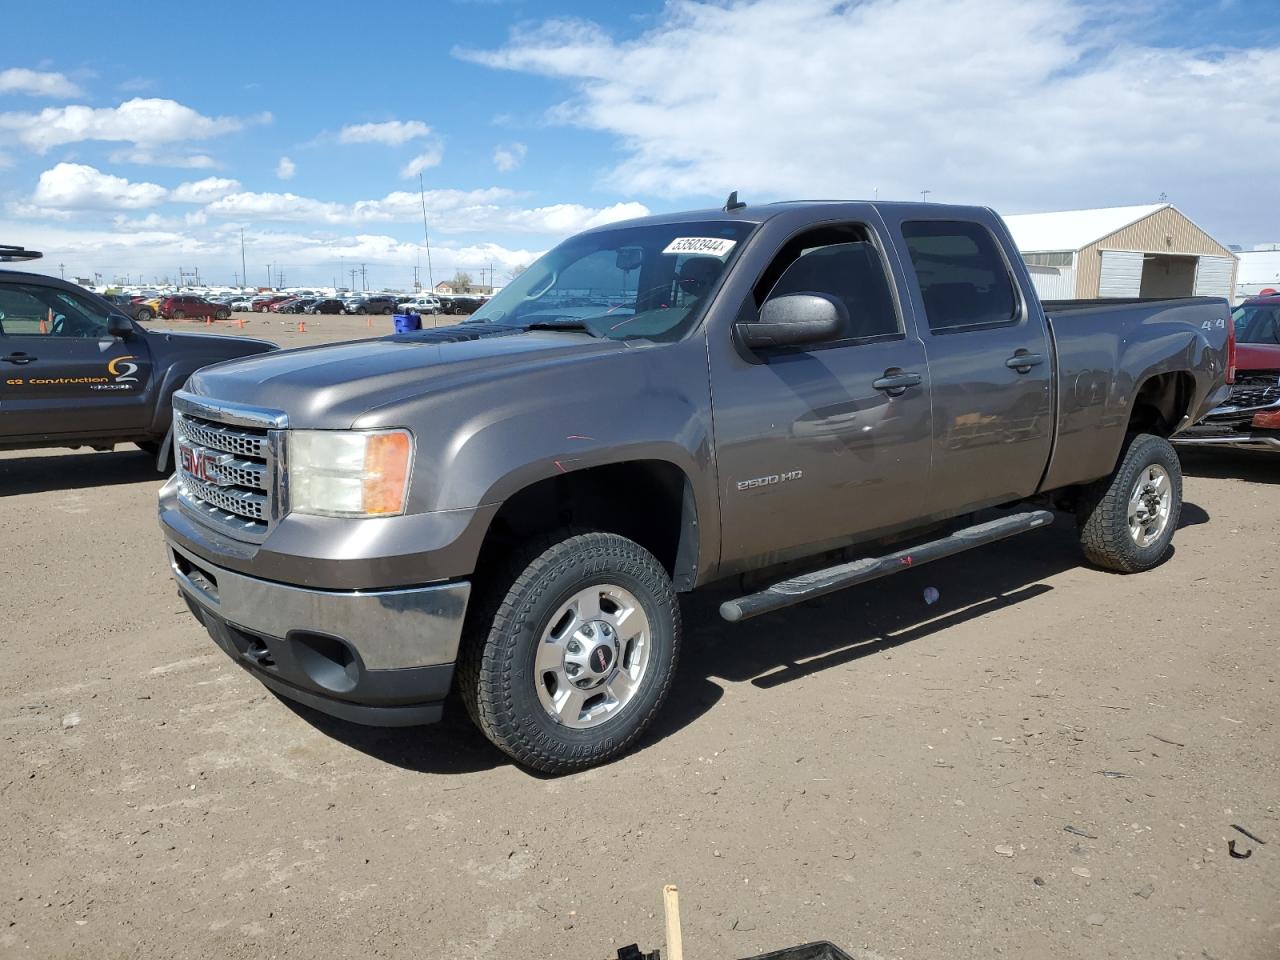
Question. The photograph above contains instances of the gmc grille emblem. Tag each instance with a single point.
(203, 465)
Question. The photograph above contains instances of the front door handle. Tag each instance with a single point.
(895, 383)
(1023, 362)
(18, 358)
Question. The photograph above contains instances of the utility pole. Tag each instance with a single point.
(268, 275)
(353, 272)
(422, 195)
(62, 269)
(236, 277)
(364, 279)
(243, 271)
(416, 285)
(924, 195)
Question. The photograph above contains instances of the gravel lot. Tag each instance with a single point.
(894, 776)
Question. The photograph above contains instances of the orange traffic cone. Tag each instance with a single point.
(302, 326)
(240, 321)
(368, 321)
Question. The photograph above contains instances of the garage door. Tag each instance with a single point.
(1121, 274)
(1213, 276)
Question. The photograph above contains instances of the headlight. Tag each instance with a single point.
(340, 473)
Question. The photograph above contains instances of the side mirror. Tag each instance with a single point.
(793, 320)
(119, 326)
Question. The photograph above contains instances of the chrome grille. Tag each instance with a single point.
(228, 460)
(1255, 390)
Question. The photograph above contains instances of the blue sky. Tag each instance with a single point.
(141, 140)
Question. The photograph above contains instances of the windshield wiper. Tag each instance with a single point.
(567, 323)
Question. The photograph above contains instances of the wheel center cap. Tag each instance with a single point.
(601, 658)
(592, 654)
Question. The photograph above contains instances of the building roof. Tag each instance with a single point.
(1073, 229)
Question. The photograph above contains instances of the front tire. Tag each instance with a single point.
(1127, 520)
(567, 661)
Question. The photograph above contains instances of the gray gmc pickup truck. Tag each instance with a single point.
(509, 507)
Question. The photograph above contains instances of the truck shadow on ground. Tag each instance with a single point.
(774, 650)
(50, 473)
(1256, 466)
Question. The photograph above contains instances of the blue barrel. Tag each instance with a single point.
(407, 321)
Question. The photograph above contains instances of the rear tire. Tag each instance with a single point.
(222, 315)
(1127, 521)
(529, 635)
(179, 315)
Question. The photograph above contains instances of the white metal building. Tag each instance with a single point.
(1152, 250)
(1259, 270)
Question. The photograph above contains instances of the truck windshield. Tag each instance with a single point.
(1257, 323)
(649, 282)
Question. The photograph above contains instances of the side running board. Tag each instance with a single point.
(821, 582)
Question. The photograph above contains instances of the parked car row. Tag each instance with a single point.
(188, 306)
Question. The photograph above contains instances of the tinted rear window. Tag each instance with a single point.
(962, 276)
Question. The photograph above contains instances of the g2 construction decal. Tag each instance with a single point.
(123, 369)
(121, 375)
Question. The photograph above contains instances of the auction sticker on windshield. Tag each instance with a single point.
(707, 246)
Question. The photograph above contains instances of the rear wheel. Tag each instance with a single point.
(179, 315)
(222, 315)
(146, 313)
(1128, 520)
(567, 661)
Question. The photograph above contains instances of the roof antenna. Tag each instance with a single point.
(733, 203)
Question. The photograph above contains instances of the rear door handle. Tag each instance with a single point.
(1022, 362)
(18, 358)
(895, 384)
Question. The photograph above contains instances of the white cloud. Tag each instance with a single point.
(448, 211)
(36, 83)
(74, 186)
(150, 158)
(1022, 104)
(142, 121)
(509, 157)
(393, 133)
(429, 158)
(286, 168)
(147, 245)
(204, 191)
(78, 187)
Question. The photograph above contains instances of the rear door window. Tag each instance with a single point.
(963, 279)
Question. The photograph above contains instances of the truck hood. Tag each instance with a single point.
(1257, 356)
(330, 386)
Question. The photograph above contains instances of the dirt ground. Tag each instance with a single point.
(1046, 762)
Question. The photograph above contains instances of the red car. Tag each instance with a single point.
(187, 307)
(278, 306)
(1251, 415)
(263, 304)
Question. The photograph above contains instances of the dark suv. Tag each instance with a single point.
(378, 303)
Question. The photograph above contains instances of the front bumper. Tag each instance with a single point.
(383, 658)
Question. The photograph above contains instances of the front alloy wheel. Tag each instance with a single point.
(570, 654)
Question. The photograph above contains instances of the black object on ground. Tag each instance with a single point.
(632, 951)
(1231, 849)
(821, 950)
(1255, 839)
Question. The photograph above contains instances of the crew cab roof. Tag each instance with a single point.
(819, 209)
